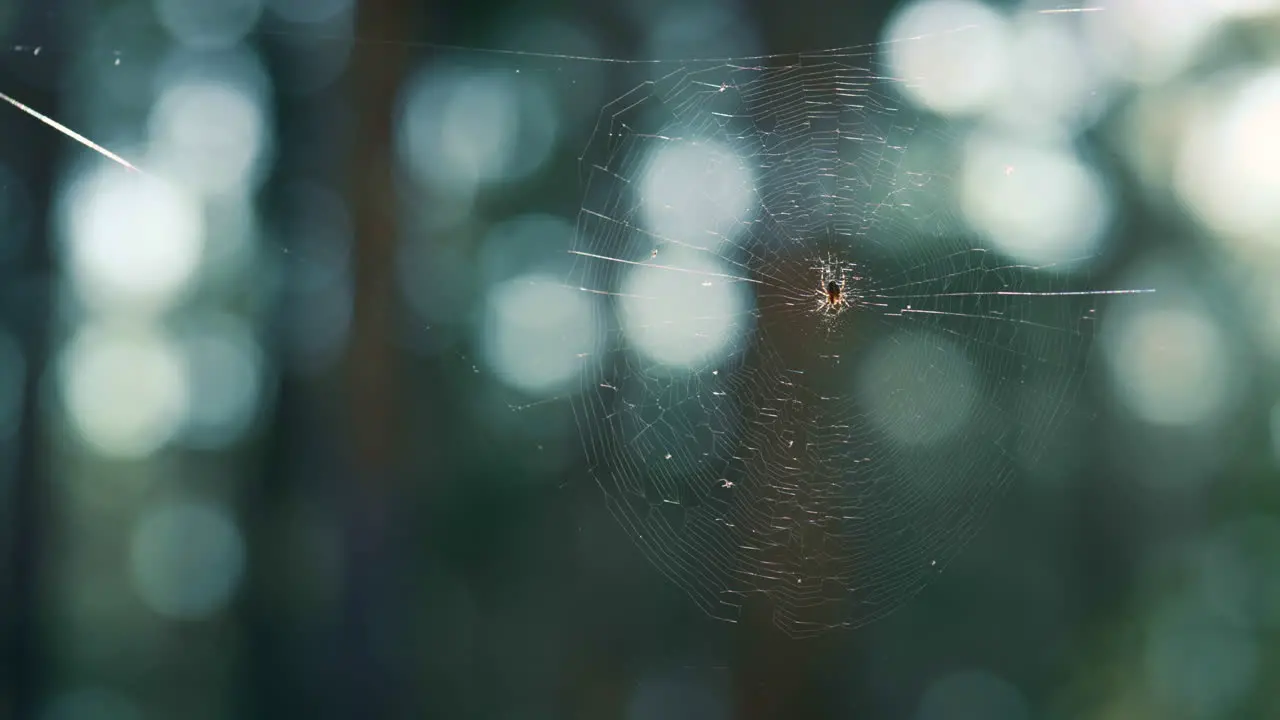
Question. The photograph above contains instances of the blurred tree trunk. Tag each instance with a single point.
(25, 294)
(374, 654)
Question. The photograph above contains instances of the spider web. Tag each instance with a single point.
(826, 460)
(828, 463)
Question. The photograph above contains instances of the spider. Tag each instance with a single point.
(833, 297)
(834, 294)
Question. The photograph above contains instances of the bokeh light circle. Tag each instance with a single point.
(187, 559)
